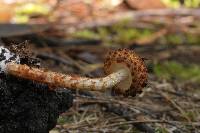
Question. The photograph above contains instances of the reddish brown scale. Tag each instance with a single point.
(128, 65)
(74, 77)
(73, 85)
(35, 74)
(120, 60)
(136, 66)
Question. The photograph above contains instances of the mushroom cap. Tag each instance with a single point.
(135, 66)
(5, 57)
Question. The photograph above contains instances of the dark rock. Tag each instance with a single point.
(28, 107)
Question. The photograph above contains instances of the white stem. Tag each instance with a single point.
(98, 84)
(62, 80)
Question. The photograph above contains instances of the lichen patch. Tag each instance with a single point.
(5, 57)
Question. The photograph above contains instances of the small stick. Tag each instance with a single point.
(174, 104)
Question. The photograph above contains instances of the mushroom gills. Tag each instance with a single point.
(124, 82)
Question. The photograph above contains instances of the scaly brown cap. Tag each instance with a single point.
(130, 61)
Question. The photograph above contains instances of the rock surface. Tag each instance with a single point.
(28, 107)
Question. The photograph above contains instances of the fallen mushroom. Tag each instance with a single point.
(127, 74)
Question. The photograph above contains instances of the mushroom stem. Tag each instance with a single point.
(68, 81)
(127, 73)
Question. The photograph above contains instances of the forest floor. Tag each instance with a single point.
(170, 45)
(169, 103)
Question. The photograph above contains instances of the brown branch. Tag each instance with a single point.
(140, 16)
(153, 121)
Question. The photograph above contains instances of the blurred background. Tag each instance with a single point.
(73, 36)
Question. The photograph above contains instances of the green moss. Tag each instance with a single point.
(25, 10)
(193, 115)
(176, 3)
(171, 69)
(161, 130)
(103, 33)
(177, 39)
(192, 3)
(174, 39)
(192, 39)
(119, 33)
(64, 119)
(86, 34)
(124, 127)
(123, 34)
(32, 8)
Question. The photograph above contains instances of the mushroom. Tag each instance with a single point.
(126, 73)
